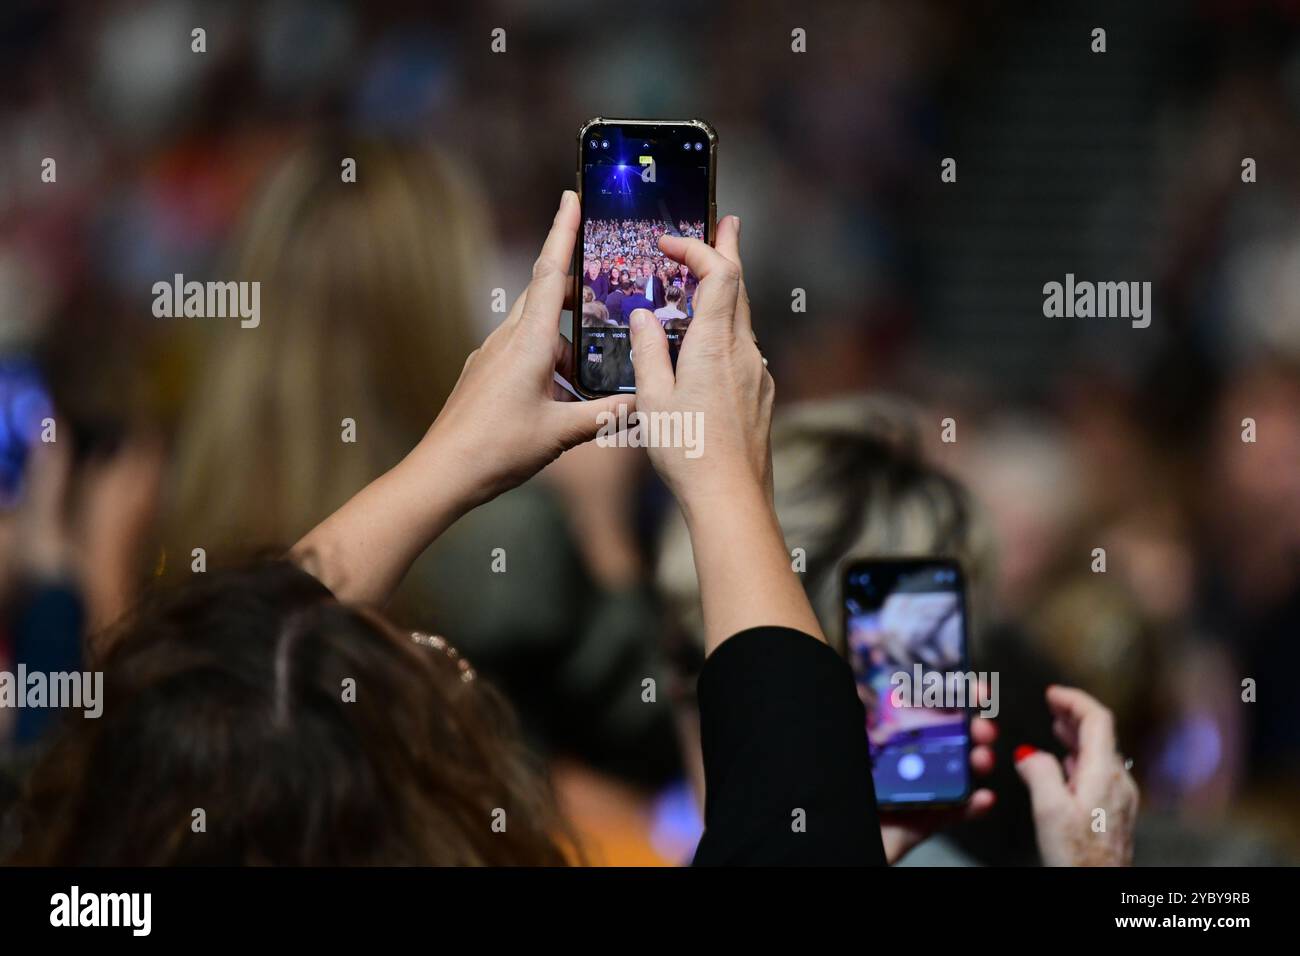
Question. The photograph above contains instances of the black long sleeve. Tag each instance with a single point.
(783, 731)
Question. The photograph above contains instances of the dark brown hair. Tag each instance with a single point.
(227, 695)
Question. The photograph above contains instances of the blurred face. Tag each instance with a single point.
(1258, 515)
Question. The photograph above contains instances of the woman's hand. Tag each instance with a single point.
(1084, 813)
(505, 420)
(720, 378)
(724, 480)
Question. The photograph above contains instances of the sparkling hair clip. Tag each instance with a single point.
(441, 644)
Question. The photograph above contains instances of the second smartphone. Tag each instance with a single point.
(638, 180)
(905, 628)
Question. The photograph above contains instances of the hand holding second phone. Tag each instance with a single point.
(901, 830)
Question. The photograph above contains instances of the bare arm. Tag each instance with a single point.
(362, 551)
(504, 421)
(744, 569)
(746, 579)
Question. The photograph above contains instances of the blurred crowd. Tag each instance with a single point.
(1076, 440)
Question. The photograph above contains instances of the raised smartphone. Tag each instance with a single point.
(638, 180)
(906, 638)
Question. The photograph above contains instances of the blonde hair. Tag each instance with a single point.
(366, 304)
(595, 314)
(850, 481)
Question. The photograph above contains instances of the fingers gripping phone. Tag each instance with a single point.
(638, 180)
(905, 629)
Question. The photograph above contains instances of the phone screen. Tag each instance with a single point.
(905, 631)
(639, 181)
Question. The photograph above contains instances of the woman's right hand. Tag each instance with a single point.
(506, 419)
(1084, 812)
(720, 375)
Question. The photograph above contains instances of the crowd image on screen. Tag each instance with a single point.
(908, 629)
(624, 270)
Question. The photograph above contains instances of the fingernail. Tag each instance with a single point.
(737, 218)
(566, 197)
(1023, 751)
(637, 321)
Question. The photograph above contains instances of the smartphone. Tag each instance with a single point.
(638, 180)
(905, 630)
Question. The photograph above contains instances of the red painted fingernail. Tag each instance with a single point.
(1023, 751)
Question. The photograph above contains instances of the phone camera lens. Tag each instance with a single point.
(698, 147)
(604, 144)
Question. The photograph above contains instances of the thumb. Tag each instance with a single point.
(650, 362)
(1043, 775)
(600, 418)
